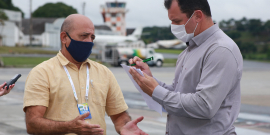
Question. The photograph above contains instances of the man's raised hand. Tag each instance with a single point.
(131, 128)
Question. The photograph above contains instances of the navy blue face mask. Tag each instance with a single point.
(79, 50)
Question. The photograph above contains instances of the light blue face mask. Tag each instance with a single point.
(180, 32)
(79, 50)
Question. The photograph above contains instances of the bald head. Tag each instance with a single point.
(74, 20)
(79, 27)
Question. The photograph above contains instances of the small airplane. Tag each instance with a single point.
(110, 39)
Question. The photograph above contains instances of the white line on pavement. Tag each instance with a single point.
(242, 131)
(255, 117)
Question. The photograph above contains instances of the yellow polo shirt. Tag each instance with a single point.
(48, 85)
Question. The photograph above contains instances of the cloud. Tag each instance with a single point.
(153, 13)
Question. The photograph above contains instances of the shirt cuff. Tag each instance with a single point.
(159, 94)
(114, 111)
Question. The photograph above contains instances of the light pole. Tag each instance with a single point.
(31, 25)
(83, 8)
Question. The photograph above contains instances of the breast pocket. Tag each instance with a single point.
(99, 93)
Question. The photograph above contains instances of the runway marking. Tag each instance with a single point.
(135, 102)
(242, 131)
(255, 117)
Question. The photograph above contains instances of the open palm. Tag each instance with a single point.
(131, 128)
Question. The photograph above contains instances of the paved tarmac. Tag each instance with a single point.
(28, 55)
(254, 118)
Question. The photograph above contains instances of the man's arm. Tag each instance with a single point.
(217, 79)
(219, 75)
(124, 126)
(120, 120)
(37, 124)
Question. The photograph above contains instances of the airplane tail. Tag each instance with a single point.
(137, 33)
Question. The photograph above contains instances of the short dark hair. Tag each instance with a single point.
(189, 6)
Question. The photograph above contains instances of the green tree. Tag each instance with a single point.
(268, 55)
(255, 26)
(157, 33)
(234, 34)
(7, 4)
(227, 25)
(54, 10)
(3, 15)
(267, 27)
(241, 25)
(223, 25)
(247, 47)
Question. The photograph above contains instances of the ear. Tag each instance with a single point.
(63, 37)
(199, 16)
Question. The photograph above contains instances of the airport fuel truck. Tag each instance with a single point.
(117, 56)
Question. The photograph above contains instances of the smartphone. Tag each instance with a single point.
(12, 81)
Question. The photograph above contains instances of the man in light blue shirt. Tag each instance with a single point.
(204, 97)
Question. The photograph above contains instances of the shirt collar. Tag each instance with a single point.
(202, 37)
(64, 61)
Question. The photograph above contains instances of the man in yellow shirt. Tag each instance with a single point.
(69, 94)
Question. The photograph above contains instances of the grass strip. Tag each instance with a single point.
(24, 50)
(172, 51)
(33, 61)
(23, 61)
(173, 61)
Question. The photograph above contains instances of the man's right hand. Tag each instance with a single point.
(141, 65)
(81, 127)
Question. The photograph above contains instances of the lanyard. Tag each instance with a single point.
(73, 87)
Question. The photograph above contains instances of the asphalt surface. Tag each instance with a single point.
(254, 118)
(28, 55)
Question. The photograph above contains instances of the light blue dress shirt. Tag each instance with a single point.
(204, 97)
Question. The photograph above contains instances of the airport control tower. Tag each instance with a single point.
(114, 16)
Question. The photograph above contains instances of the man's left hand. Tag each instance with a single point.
(147, 83)
(131, 128)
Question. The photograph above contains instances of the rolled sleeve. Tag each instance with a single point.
(36, 89)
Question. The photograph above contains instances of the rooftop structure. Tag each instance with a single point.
(114, 16)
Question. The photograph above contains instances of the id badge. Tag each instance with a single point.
(84, 108)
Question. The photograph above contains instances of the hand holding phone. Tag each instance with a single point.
(12, 81)
(3, 89)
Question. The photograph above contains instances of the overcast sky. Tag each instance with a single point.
(152, 12)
